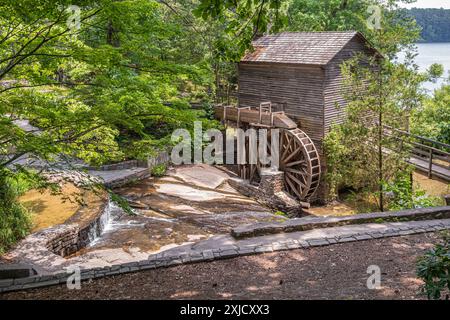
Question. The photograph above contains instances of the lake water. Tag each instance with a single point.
(430, 53)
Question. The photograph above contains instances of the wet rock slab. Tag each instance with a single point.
(190, 204)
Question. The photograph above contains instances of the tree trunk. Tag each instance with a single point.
(112, 35)
(380, 158)
(60, 75)
(217, 81)
(380, 137)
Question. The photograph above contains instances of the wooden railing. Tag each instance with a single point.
(434, 153)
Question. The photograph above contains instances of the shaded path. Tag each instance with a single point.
(333, 272)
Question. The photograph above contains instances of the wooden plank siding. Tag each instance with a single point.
(299, 88)
(334, 102)
(302, 71)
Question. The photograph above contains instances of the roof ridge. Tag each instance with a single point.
(336, 31)
(304, 47)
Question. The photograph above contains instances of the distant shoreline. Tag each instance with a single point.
(432, 42)
(434, 22)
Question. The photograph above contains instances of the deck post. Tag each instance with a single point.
(430, 166)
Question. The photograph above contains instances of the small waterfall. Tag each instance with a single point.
(101, 223)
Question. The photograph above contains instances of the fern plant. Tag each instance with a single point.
(434, 269)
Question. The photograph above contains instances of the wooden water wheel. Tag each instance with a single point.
(299, 160)
(298, 156)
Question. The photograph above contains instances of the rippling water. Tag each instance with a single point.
(430, 53)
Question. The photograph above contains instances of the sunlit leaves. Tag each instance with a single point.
(360, 154)
(398, 29)
(90, 95)
(242, 21)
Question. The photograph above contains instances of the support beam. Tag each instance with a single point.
(280, 120)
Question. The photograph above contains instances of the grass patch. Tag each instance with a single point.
(281, 213)
(121, 202)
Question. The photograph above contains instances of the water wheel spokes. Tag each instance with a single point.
(299, 160)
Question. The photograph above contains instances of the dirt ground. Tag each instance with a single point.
(49, 209)
(352, 205)
(331, 272)
(433, 187)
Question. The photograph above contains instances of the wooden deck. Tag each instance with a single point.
(429, 156)
(437, 171)
(252, 116)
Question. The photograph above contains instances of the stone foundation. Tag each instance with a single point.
(270, 192)
(69, 241)
(63, 241)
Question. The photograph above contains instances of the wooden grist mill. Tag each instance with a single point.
(298, 156)
(300, 74)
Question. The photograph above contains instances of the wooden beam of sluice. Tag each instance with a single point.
(250, 116)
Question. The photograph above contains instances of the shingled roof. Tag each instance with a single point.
(311, 48)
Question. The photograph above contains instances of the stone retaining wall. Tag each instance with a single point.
(66, 239)
(121, 165)
(63, 241)
(119, 178)
(162, 157)
(308, 223)
(59, 241)
(122, 180)
(69, 241)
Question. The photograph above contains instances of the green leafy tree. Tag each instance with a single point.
(360, 152)
(399, 28)
(432, 119)
(242, 21)
(15, 221)
(96, 90)
(112, 87)
(434, 23)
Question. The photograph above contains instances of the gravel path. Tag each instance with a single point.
(331, 272)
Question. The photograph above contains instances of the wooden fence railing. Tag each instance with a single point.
(427, 154)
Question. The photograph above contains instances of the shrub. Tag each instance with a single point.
(208, 108)
(434, 269)
(281, 213)
(433, 118)
(404, 197)
(159, 170)
(15, 221)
